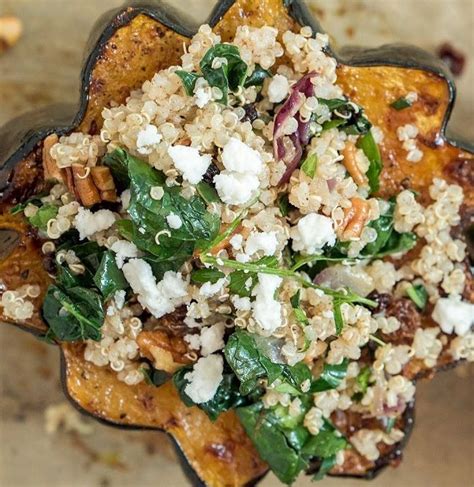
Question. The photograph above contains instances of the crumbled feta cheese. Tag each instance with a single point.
(278, 88)
(174, 221)
(239, 157)
(202, 93)
(208, 289)
(147, 139)
(123, 250)
(236, 241)
(125, 198)
(411, 97)
(312, 233)
(212, 339)
(161, 298)
(266, 309)
(241, 304)
(193, 340)
(453, 315)
(189, 162)
(119, 298)
(234, 188)
(264, 241)
(88, 223)
(204, 379)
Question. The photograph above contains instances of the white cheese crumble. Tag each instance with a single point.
(236, 184)
(267, 242)
(189, 162)
(241, 304)
(119, 299)
(208, 289)
(278, 88)
(88, 223)
(174, 221)
(202, 93)
(125, 198)
(236, 241)
(312, 233)
(161, 298)
(204, 379)
(453, 315)
(212, 339)
(239, 157)
(147, 139)
(234, 188)
(266, 309)
(123, 250)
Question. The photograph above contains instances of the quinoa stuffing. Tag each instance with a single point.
(237, 196)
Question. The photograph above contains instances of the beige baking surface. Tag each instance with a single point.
(44, 68)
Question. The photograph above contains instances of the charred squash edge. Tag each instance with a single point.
(20, 136)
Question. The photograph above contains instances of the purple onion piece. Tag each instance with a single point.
(282, 149)
(342, 276)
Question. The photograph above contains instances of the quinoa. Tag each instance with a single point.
(289, 260)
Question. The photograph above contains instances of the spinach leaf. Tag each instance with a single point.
(338, 318)
(155, 377)
(117, 162)
(229, 73)
(284, 204)
(250, 364)
(325, 467)
(418, 294)
(188, 80)
(401, 104)
(41, 218)
(73, 314)
(331, 377)
(257, 77)
(398, 242)
(226, 397)
(206, 275)
(34, 200)
(243, 282)
(309, 165)
(271, 442)
(325, 444)
(371, 151)
(363, 380)
(207, 192)
(109, 278)
(346, 115)
(299, 313)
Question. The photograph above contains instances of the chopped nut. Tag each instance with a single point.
(10, 31)
(350, 163)
(51, 169)
(105, 183)
(355, 219)
(84, 185)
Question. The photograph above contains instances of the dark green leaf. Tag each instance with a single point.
(109, 278)
(207, 192)
(257, 77)
(230, 75)
(117, 162)
(73, 314)
(325, 444)
(398, 242)
(41, 218)
(299, 313)
(189, 80)
(338, 318)
(384, 227)
(309, 165)
(271, 442)
(418, 294)
(284, 204)
(242, 283)
(331, 377)
(371, 151)
(333, 103)
(401, 104)
(226, 397)
(154, 377)
(206, 275)
(34, 200)
(326, 465)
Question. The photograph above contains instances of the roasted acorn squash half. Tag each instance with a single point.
(126, 48)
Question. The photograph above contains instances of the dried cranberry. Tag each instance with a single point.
(251, 113)
(454, 58)
(212, 171)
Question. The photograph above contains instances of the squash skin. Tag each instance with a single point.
(127, 46)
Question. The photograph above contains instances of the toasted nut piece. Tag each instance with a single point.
(105, 183)
(51, 169)
(350, 164)
(69, 180)
(355, 218)
(166, 352)
(10, 31)
(84, 185)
